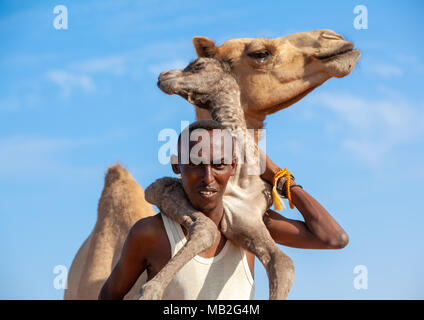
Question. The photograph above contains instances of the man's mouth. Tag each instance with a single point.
(207, 193)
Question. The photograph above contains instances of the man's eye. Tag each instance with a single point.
(219, 166)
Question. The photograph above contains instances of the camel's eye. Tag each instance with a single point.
(194, 67)
(261, 56)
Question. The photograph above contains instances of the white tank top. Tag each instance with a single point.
(224, 277)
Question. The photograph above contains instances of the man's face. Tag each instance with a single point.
(206, 174)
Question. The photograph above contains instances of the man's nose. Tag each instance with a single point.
(207, 174)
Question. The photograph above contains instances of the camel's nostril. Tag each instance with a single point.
(332, 36)
(163, 79)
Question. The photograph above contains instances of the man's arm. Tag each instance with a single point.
(319, 231)
(131, 263)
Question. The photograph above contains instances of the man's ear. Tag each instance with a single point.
(234, 166)
(175, 165)
(205, 47)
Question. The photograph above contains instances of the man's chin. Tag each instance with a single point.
(205, 209)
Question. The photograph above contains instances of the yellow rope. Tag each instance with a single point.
(278, 204)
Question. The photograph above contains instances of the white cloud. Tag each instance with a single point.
(366, 150)
(22, 155)
(414, 63)
(115, 65)
(33, 156)
(156, 69)
(90, 74)
(387, 70)
(79, 75)
(68, 81)
(383, 68)
(398, 65)
(9, 104)
(373, 127)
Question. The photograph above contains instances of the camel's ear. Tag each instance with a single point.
(205, 47)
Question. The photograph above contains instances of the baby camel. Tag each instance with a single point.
(208, 83)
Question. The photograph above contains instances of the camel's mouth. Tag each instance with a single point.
(327, 56)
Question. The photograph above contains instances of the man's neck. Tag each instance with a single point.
(215, 214)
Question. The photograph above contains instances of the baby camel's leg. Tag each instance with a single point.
(254, 237)
(168, 195)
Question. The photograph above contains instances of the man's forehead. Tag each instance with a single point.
(208, 146)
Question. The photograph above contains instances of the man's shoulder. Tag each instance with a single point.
(148, 229)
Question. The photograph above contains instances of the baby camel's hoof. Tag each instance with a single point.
(152, 290)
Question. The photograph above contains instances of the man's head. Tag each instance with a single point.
(206, 162)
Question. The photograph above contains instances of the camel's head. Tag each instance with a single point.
(275, 73)
(201, 82)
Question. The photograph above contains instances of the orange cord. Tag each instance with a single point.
(278, 204)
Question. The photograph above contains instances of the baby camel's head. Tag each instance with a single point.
(201, 82)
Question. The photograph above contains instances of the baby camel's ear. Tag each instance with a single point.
(205, 47)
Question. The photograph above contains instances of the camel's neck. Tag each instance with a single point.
(252, 121)
(227, 110)
(235, 116)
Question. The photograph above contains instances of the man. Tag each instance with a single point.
(223, 271)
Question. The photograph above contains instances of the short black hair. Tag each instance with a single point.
(205, 124)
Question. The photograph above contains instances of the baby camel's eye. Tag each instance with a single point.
(261, 56)
(194, 67)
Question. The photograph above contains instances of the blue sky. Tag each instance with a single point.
(73, 102)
